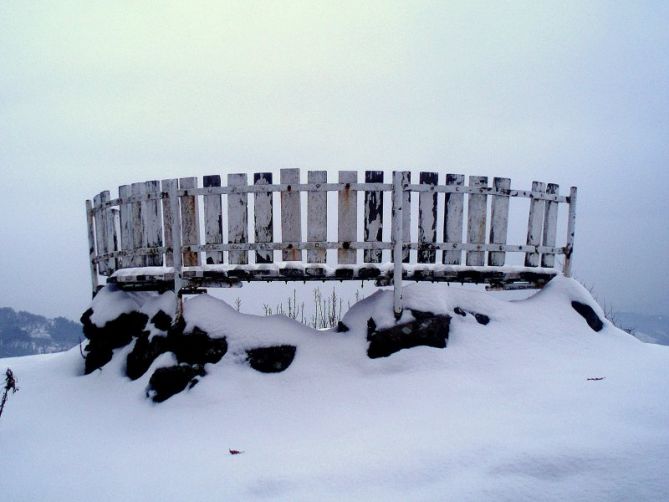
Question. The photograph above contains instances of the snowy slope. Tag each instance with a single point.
(505, 412)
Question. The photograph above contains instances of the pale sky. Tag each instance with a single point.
(94, 95)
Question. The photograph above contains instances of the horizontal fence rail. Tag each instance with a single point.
(177, 234)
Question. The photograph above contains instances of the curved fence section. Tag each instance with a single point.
(178, 234)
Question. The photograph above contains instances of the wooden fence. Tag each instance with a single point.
(132, 238)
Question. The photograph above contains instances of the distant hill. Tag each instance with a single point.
(647, 328)
(23, 333)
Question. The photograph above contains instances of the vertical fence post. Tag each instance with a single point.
(398, 197)
(91, 247)
(177, 255)
(571, 225)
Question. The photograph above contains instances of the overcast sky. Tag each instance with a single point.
(98, 94)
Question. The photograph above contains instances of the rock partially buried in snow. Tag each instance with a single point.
(427, 329)
(588, 313)
(165, 382)
(271, 359)
(114, 334)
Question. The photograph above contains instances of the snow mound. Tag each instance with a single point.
(533, 405)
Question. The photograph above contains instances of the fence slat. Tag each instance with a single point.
(534, 224)
(476, 220)
(238, 219)
(453, 216)
(137, 189)
(317, 217)
(347, 221)
(550, 226)
(291, 216)
(499, 221)
(168, 186)
(190, 222)
(125, 209)
(100, 230)
(263, 216)
(152, 227)
(406, 218)
(373, 217)
(90, 224)
(427, 219)
(110, 221)
(213, 218)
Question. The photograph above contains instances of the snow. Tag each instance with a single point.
(505, 412)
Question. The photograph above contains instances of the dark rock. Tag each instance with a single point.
(481, 318)
(117, 332)
(143, 354)
(589, 315)
(428, 331)
(342, 328)
(421, 315)
(271, 359)
(197, 347)
(114, 334)
(97, 357)
(165, 382)
(162, 321)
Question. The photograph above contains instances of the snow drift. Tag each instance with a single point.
(534, 404)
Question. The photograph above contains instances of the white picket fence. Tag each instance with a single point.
(132, 238)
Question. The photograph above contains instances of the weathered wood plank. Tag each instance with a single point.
(571, 230)
(190, 222)
(137, 189)
(213, 218)
(406, 216)
(291, 215)
(264, 217)
(317, 217)
(550, 226)
(100, 231)
(373, 217)
(152, 226)
(476, 220)
(125, 209)
(453, 218)
(347, 221)
(168, 186)
(534, 223)
(238, 219)
(90, 224)
(499, 221)
(427, 219)
(396, 234)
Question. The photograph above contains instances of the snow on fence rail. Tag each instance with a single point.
(132, 238)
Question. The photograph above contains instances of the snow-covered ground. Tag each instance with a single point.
(505, 412)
